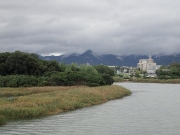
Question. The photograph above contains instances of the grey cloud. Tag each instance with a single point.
(120, 27)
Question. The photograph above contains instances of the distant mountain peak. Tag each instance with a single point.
(111, 59)
(88, 52)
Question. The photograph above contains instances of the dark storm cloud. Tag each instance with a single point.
(104, 26)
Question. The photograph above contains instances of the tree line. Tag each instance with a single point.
(169, 72)
(20, 69)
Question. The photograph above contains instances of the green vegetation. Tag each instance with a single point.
(40, 101)
(104, 70)
(28, 75)
(157, 80)
(169, 72)
(166, 74)
(3, 120)
(118, 79)
(19, 69)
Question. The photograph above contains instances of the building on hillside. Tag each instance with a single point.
(148, 65)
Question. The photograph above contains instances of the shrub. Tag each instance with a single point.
(108, 79)
(18, 81)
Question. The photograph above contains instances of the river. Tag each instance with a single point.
(152, 109)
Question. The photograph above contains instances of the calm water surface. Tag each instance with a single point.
(152, 109)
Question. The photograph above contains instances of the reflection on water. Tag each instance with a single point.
(152, 109)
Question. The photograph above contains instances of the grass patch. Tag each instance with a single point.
(3, 120)
(174, 81)
(40, 101)
(118, 79)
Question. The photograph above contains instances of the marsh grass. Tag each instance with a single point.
(3, 120)
(174, 81)
(41, 101)
(118, 79)
(10, 92)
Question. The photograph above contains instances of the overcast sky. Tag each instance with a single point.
(104, 26)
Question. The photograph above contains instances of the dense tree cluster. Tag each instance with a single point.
(169, 72)
(19, 69)
(106, 73)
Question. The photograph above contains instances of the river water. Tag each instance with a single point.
(152, 109)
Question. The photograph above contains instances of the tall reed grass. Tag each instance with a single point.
(41, 101)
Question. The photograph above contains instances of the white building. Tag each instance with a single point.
(148, 65)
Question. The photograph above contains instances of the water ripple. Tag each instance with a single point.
(153, 109)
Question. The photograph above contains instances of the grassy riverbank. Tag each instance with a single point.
(147, 80)
(40, 101)
(174, 81)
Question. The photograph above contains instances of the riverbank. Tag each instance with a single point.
(173, 81)
(147, 80)
(41, 101)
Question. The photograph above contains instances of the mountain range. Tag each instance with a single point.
(111, 59)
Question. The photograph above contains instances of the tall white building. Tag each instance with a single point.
(148, 65)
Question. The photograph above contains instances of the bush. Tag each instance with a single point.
(94, 81)
(83, 75)
(108, 79)
(18, 81)
(103, 69)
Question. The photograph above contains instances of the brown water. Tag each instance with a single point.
(152, 109)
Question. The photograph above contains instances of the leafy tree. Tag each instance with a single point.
(137, 74)
(19, 69)
(53, 66)
(108, 79)
(169, 72)
(102, 69)
(3, 66)
(88, 69)
(23, 63)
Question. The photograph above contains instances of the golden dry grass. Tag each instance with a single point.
(40, 101)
